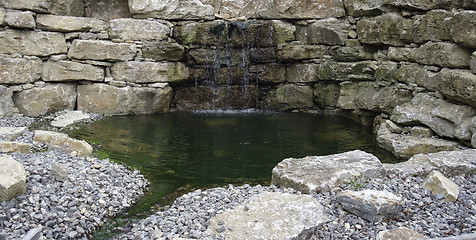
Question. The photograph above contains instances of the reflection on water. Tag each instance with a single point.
(203, 149)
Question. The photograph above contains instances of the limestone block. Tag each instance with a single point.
(19, 19)
(12, 178)
(411, 73)
(372, 205)
(359, 8)
(324, 173)
(437, 183)
(63, 142)
(374, 97)
(329, 70)
(32, 43)
(6, 102)
(328, 31)
(456, 85)
(102, 50)
(472, 63)
(57, 23)
(283, 31)
(402, 54)
(270, 215)
(326, 95)
(421, 132)
(69, 118)
(102, 98)
(163, 51)
(450, 163)
(138, 29)
(19, 70)
(10, 147)
(301, 73)
(443, 54)
(149, 72)
(11, 133)
(445, 118)
(171, 9)
(108, 9)
(58, 7)
(267, 73)
(2, 16)
(399, 233)
(420, 4)
(39, 101)
(351, 54)
(460, 23)
(290, 96)
(62, 71)
(347, 94)
(431, 26)
(293, 52)
(389, 28)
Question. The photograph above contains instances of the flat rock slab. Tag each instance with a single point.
(11, 133)
(63, 142)
(9, 147)
(323, 173)
(12, 178)
(69, 118)
(270, 215)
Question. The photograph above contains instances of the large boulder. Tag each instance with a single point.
(20, 70)
(39, 101)
(171, 9)
(328, 31)
(57, 23)
(138, 29)
(62, 71)
(63, 142)
(103, 98)
(460, 23)
(323, 173)
(6, 102)
(290, 96)
(32, 43)
(102, 50)
(450, 163)
(58, 7)
(12, 178)
(149, 72)
(20, 19)
(270, 215)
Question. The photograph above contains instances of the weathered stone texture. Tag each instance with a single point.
(32, 43)
(329, 70)
(351, 54)
(39, 101)
(102, 98)
(420, 4)
(6, 102)
(360, 8)
(460, 23)
(102, 50)
(163, 51)
(293, 52)
(2, 16)
(301, 73)
(324, 173)
(12, 178)
(431, 26)
(389, 28)
(443, 54)
(472, 63)
(171, 9)
(372, 205)
(149, 72)
(108, 9)
(372, 96)
(458, 85)
(328, 31)
(290, 96)
(326, 95)
(63, 142)
(62, 71)
(402, 54)
(58, 7)
(138, 29)
(19, 70)
(57, 23)
(19, 19)
(270, 215)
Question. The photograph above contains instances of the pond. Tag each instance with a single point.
(187, 150)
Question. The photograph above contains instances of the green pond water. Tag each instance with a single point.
(180, 151)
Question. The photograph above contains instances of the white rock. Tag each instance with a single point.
(70, 117)
(437, 183)
(12, 178)
(12, 133)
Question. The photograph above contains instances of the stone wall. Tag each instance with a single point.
(412, 62)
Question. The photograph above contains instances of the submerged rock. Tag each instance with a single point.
(12, 178)
(323, 173)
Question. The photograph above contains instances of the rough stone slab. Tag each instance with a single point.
(19, 70)
(39, 101)
(32, 43)
(149, 72)
(402, 54)
(6, 102)
(372, 205)
(399, 233)
(63, 71)
(437, 183)
(108, 9)
(323, 173)
(270, 215)
(456, 85)
(460, 23)
(329, 70)
(419, 4)
(450, 163)
(138, 29)
(374, 97)
(444, 54)
(351, 54)
(328, 31)
(304, 73)
(58, 7)
(63, 142)
(10, 147)
(19, 19)
(102, 50)
(290, 96)
(171, 9)
(102, 98)
(359, 8)
(292, 52)
(431, 26)
(12, 133)
(12, 178)
(69, 118)
(163, 51)
(389, 28)
(57, 23)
